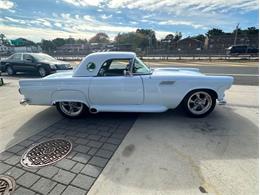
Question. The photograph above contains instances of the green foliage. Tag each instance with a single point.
(47, 45)
(3, 39)
(131, 38)
(215, 32)
(177, 36)
(199, 37)
(248, 31)
(100, 38)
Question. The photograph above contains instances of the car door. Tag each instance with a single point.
(28, 63)
(16, 61)
(112, 86)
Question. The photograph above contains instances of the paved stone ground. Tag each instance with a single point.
(94, 139)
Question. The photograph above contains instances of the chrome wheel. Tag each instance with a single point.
(42, 72)
(199, 103)
(71, 109)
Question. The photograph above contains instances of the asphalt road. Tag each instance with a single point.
(243, 73)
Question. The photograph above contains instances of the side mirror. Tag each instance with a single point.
(127, 73)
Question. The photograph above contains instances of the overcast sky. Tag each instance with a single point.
(48, 19)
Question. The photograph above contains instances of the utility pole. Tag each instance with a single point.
(235, 41)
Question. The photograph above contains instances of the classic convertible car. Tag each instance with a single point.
(121, 82)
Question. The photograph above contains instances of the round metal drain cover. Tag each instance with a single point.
(46, 153)
(7, 185)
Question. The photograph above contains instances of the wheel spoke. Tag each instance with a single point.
(198, 96)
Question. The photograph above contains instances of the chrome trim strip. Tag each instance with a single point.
(167, 82)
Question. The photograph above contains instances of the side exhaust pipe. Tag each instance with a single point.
(93, 110)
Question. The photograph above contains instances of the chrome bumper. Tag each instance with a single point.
(222, 102)
(24, 101)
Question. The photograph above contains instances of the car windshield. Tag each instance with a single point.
(140, 67)
(43, 57)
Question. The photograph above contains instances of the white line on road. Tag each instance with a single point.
(242, 75)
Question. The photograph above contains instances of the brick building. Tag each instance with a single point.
(221, 42)
(73, 49)
(189, 44)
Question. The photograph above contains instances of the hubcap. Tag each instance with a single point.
(71, 108)
(42, 72)
(199, 103)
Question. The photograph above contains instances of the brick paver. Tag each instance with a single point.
(94, 140)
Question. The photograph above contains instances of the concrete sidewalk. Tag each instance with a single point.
(170, 154)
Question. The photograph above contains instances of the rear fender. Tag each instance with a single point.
(69, 96)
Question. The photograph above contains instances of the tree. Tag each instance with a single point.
(248, 31)
(177, 36)
(3, 39)
(252, 31)
(47, 45)
(58, 42)
(199, 37)
(169, 37)
(149, 38)
(131, 38)
(215, 32)
(100, 38)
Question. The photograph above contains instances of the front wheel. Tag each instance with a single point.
(199, 103)
(71, 109)
(42, 72)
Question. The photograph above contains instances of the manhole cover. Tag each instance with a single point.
(7, 185)
(46, 153)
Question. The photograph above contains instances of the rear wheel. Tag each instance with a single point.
(71, 109)
(199, 103)
(10, 71)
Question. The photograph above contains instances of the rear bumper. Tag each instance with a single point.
(222, 102)
(24, 101)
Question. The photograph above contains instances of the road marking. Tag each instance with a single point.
(224, 74)
(197, 65)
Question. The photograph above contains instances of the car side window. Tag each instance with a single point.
(16, 57)
(27, 57)
(115, 67)
(140, 68)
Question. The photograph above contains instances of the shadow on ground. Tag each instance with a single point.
(168, 151)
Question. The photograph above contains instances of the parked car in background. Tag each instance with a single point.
(41, 63)
(242, 49)
(121, 82)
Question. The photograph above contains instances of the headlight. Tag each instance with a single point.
(53, 66)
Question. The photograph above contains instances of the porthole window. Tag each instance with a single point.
(91, 66)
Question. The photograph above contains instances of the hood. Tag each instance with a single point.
(55, 62)
(176, 71)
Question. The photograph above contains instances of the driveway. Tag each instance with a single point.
(171, 154)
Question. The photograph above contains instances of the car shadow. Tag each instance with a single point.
(170, 151)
